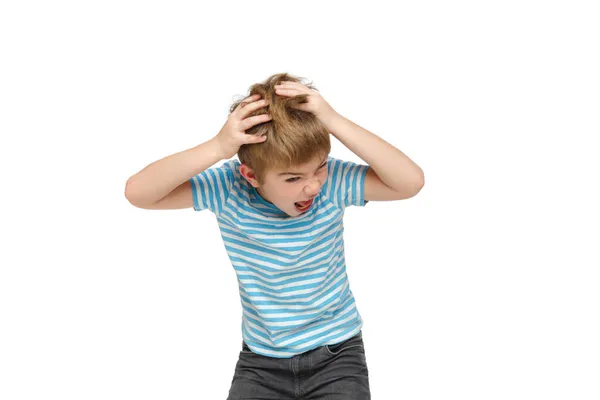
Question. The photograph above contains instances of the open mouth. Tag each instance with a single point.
(302, 206)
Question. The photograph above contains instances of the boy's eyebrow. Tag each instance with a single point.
(300, 173)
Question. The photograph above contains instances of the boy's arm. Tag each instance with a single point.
(165, 183)
(392, 175)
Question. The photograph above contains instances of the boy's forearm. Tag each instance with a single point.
(392, 166)
(158, 179)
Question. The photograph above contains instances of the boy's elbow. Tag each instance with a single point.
(421, 182)
(418, 184)
(418, 188)
(132, 195)
(129, 195)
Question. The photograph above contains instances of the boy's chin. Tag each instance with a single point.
(293, 212)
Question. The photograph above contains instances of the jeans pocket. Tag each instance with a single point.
(355, 343)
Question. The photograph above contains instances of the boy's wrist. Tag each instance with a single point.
(329, 120)
(215, 149)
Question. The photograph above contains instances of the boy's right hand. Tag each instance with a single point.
(233, 134)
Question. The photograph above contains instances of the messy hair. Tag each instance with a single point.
(294, 136)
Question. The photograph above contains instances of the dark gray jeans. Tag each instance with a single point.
(333, 372)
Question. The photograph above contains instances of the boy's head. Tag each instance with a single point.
(297, 143)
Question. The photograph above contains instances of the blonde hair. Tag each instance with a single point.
(294, 137)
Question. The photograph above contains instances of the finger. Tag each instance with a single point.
(286, 92)
(288, 84)
(251, 121)
(247, 101)
(251, 107)
(290, 92)
(301, 107)
(293, 86)
(251, 139)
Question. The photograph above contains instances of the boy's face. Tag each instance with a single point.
(288, 189)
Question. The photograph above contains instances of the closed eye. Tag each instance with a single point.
(296, 178)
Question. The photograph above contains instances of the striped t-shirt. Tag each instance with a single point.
(291, 271)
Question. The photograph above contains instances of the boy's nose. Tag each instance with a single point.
(313, 188)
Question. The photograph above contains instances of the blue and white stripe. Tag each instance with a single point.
(291, 271)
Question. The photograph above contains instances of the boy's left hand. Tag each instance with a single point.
(316, 103)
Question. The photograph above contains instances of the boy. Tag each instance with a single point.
(280, 210)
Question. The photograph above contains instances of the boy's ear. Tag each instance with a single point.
(249, 175)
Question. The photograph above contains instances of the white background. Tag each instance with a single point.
(483, 286)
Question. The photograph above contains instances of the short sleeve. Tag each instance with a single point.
(346, 183)
(211, 188)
